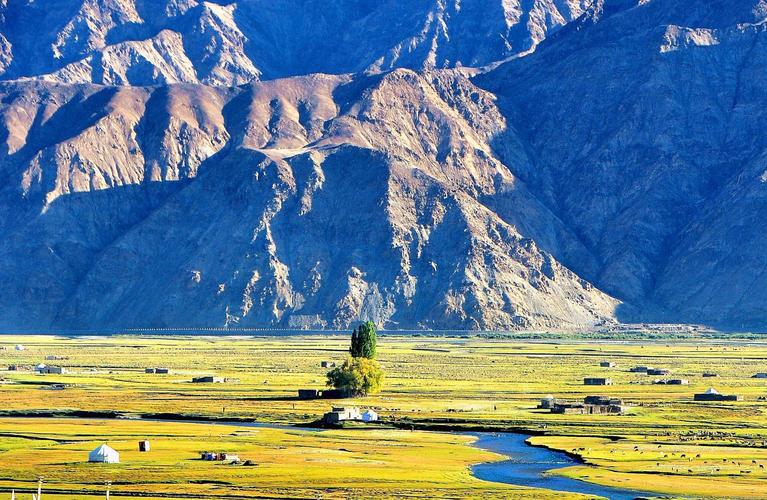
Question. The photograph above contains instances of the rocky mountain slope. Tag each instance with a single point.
(146, 42)
(651, 150)
(611, 169)
(311, 201)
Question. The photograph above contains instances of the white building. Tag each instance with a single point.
(20, 347)
(341, 413)
(369, 416)
(104, 454)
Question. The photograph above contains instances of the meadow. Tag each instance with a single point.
(666, 442)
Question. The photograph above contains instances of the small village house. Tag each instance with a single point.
(640, 369)
(340, 413)
(42, 368)
(208, 379)
(308, 394)
(336, 394)
(607, 364)
(597, 381)
(221, 457)
(673, 381)
(162, 371)
(760, 375)
(144, 446)
(592, 405)
(547, 402)
(657, 371)
(369, 415)
(678, 381)
(713, 395)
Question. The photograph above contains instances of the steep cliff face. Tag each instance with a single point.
(617, 171)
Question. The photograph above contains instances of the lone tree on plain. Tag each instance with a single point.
(364, 341)
(360, 374)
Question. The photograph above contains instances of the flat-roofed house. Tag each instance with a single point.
(340, 413)
(597, 381)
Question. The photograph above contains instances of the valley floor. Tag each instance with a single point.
(665, 443)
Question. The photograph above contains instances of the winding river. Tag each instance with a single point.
(527, 465)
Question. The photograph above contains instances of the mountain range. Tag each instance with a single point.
(429, 164)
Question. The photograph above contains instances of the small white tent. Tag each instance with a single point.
(369, 416)
(104, 454)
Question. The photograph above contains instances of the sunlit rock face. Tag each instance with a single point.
(146, 42)
(425, 164)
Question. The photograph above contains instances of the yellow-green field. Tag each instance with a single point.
(665, 443)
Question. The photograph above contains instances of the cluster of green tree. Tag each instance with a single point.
(360, 373)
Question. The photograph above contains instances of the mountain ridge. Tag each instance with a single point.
(509, 197)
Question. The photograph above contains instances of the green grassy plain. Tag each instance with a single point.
(666, 442)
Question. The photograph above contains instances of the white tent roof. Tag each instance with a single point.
(711, 390)
(104, 454)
